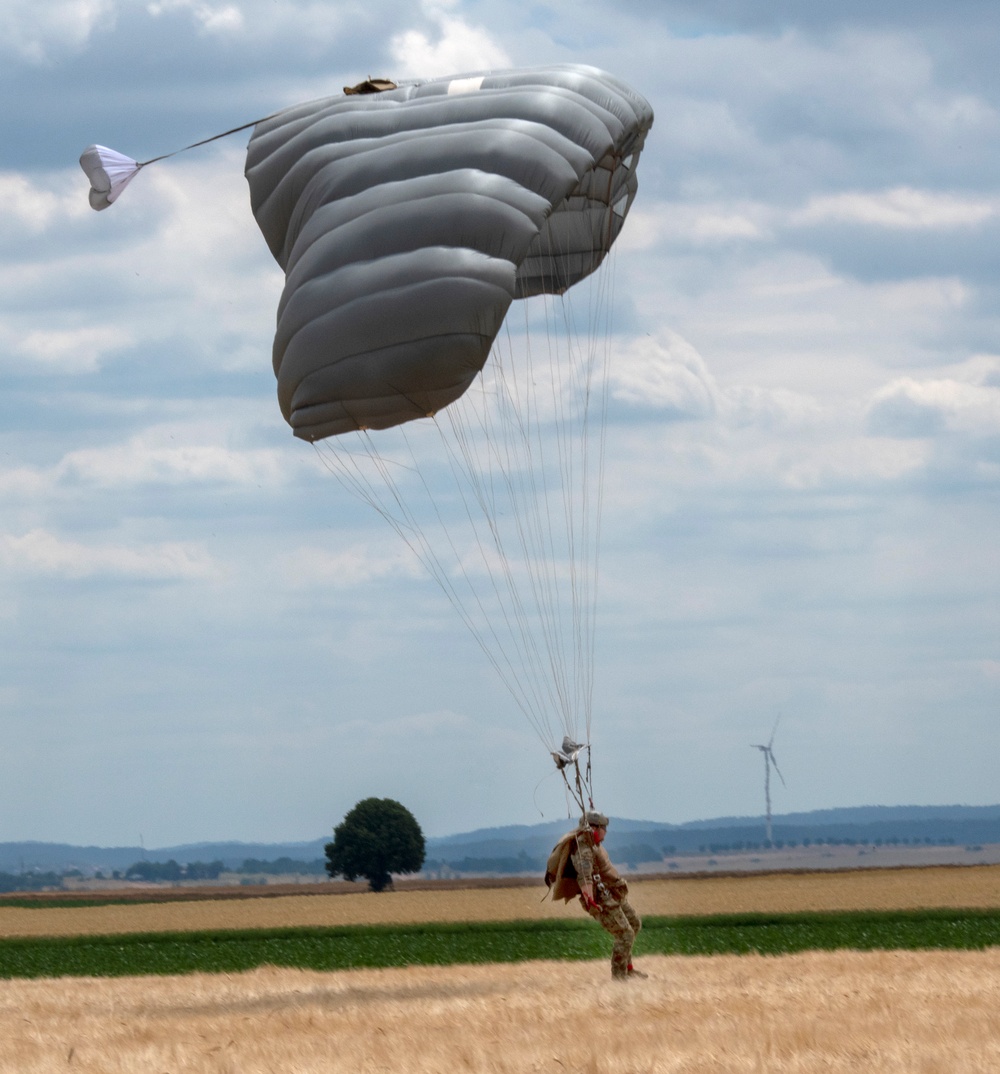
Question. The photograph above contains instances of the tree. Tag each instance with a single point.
(378, 837)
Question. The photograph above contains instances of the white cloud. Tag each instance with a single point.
(901, 208)
(778, 409)
(847, 463)
(76, 350)
(346, 567)
(721, 223)
(666, 373)
(33, 204)
(41, 552)
(181, 238)
(173, 456)
(694, 223)
(34, 31)
(908, 407)
(212, 18)
(453, 47)
(24, 482)
(179, 454)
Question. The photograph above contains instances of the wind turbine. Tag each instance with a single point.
(768, 762)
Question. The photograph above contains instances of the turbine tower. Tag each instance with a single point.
(768, 762)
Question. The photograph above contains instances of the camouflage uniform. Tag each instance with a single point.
(577, 857)
(613, 911)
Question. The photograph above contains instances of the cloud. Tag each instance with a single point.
(729, 17)
(903, 208)
(83, 286)
(777, 409)
(725, 223)
(791, 150)
(43, 553)
(36, 31)
(349, 566)
(75, 350)
(166, 456)
(907, 407)
(211, 18)
(451, 47)
(664, 373)
(36, 203)
(693, 223)
(182, 455)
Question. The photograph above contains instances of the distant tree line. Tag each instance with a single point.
(831, 841)
(634, 853)
(29, 881)
(172, 871)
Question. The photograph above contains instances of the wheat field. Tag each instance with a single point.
(873, 889)
(894, 1012)
(832, 1012)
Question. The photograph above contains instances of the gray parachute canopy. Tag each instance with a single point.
(408, 220)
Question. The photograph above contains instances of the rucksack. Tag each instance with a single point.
(560, 873)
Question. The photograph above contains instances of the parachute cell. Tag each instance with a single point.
(408, 220)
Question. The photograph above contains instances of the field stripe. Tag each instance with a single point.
(350, 947)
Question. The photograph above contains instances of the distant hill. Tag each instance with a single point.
(859, 815)
(632, 840)
(58, 857)
(524, 847)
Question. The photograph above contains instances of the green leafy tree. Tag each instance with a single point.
(377, 838)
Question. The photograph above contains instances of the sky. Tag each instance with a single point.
(203, 637)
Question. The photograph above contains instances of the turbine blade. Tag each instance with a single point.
(777, 769)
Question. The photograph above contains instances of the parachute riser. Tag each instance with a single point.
(580, 787)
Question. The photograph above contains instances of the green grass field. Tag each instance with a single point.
(436, 944)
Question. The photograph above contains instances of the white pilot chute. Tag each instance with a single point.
(109, 173)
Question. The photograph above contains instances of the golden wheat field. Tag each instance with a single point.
(837, 1013)
(873, 889)
(887, 1012)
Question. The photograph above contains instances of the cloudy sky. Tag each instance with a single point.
(204, 637)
